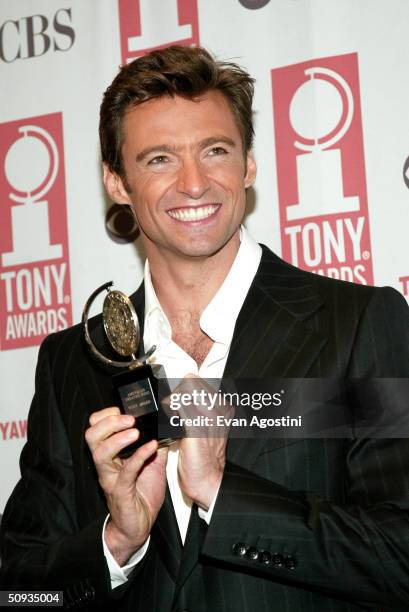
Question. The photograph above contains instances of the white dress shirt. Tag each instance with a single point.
(217, 321)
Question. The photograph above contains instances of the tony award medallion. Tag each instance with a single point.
(136, 388)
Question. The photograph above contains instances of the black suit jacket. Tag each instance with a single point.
(311, 525)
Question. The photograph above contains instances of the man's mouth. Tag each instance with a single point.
(193, 213)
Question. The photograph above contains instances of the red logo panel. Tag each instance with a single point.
(35, 296)
(321, 169)
(151, 24)
(404, 281)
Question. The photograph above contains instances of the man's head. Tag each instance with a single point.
(176, 134)
(177, 70)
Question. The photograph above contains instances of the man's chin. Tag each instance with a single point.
(198, 254)
(204, 250)
(196, 248)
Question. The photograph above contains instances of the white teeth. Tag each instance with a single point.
(198, 213)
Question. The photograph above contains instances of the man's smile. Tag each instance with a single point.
(189, 214)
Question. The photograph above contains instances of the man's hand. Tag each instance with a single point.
(200, 468)
(202, 453)
(134, 487)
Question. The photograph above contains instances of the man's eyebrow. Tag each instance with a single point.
(215, 140)
(159, 148)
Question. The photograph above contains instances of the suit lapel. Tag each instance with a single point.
(270, 342)
(272, 339)
(270, 336)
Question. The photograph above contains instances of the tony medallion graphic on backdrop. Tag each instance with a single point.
(321, 168)
(151, 24)
(35, 296)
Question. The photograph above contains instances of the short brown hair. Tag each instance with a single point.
(174, 70)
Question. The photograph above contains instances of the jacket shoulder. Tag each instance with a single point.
(327, 287)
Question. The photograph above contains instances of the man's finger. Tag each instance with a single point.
(136, 462)
(106, 451)
(106, 427)
(101, 414)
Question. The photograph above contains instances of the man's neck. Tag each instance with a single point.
(189, 284)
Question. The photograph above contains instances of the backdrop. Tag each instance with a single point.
(332, 146)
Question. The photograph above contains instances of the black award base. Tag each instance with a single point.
(137, 394)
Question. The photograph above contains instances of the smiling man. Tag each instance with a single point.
(185, 175)
(211, 523)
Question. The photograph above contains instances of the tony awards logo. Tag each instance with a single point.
(321, 112)
(35, 152)
(35, 297)
(137, 388)
(321, 168)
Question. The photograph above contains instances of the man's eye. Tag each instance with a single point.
(159, 159)
(217, 151)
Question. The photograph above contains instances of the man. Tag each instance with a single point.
(277, 524)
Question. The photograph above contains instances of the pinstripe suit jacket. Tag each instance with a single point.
(334, 512)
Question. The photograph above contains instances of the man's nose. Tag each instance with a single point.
(192, 179)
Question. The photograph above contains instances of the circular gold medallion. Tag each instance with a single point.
(121, 323)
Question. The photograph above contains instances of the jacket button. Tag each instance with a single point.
(239, 549)
(89, 593)
(290, 562)
(278, 560)
(264, 557)
(252, 553)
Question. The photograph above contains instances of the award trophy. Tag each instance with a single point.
(136, 388)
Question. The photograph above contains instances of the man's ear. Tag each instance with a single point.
(115, 187)
(251, 170)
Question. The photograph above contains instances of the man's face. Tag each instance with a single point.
(186, 174)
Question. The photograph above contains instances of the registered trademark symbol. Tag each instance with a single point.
(282, 391)
(366, 255)
(67, 299)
